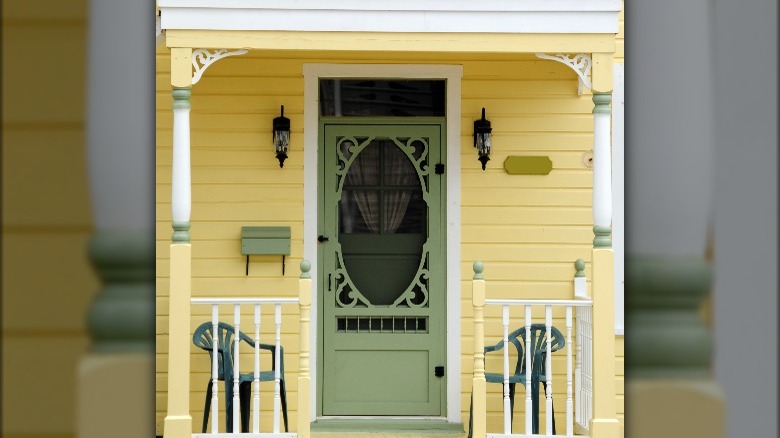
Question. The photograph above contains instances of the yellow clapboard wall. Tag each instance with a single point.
(528, 230)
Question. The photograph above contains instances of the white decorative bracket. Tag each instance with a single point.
(580, 63)
(203, 58)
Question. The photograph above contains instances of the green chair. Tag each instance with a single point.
(538, 368)
(203, 339)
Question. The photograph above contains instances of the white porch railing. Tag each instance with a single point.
(257, 303)
(302, 410)
(578, 374)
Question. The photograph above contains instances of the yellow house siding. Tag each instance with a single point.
(528, 230)
(47, 280)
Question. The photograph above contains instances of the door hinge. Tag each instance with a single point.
(439, 169)
(438, 371)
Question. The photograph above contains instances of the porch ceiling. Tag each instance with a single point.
(493, 26)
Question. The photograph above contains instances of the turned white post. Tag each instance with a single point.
(181, 199)
(507, 405)
(528, 406)
(478, 383)
(120, 157)
(548, 368)
(277, 365)
(602, 170)
(256, 382)
(569, 389)
(120, 144)
(578, 371)
(236, 342)
(214, 368)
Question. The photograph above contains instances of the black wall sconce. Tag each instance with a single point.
(482, 132)
(281, 137)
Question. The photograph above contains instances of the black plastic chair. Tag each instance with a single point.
(203, 339)
(538, 368)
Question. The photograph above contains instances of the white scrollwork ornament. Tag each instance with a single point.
(580, 63)
(203, 58)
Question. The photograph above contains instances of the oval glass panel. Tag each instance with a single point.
(382, 222)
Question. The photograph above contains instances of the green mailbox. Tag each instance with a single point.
(265, 241)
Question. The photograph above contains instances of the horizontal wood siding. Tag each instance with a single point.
(528, 230)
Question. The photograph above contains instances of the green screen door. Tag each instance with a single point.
(383, 280)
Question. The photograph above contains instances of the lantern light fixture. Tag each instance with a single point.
(281, 136)
(482, 132)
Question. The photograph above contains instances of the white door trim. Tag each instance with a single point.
(452, 74)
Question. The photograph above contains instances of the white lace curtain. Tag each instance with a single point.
(398, 171)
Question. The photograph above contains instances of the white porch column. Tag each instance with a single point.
(181, 198)
(178, 421)
(602, 170)
(604, 423)
(120, 158)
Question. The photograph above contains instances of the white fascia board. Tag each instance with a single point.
(404, 5)
(490, 16)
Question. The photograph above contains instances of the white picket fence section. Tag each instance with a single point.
(257, 303)
(578, 376)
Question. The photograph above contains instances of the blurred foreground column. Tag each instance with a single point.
(671, 391)
(116, 378)
(669, 384)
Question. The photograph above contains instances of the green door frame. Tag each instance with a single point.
(438, 267)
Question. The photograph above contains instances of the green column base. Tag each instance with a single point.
(121, 318)
(665, 334)
(603, 237)
(181, 232)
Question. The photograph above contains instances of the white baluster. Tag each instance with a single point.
(507, 406)
(569, 400)
(528, 348)
(256, 383)
(548, 371)
(277, 366)
(587, 376)
(578, 370)
(214, 369)
(589, 364)
(236, 340)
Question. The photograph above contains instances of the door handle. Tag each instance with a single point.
(322, 238)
